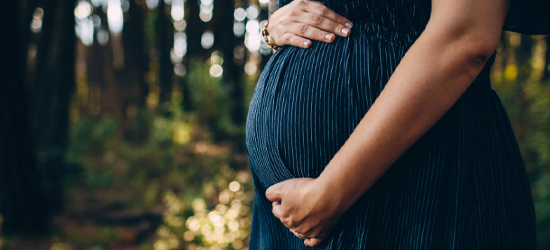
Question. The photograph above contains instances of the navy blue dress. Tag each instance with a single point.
(463, 185)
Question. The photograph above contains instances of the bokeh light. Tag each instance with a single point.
(85, 30)
(252, 12)
(250, 68)
(36, 23)
(178, 10)
(180, 46)
(97, 3)
(216, 71)
(152, 4)
(239, 14)
(180, 70)
(115, 18)
(207, 40)
(180, 25)
(97, 21)
(102, 37)
(83, 10)
(206, 10)
(239, 29)
(125, 5)
(252, 41)
(216, 58)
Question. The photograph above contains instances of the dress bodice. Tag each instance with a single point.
(408, 18)
(398, 21)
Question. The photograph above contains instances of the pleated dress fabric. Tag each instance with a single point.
(463, 185)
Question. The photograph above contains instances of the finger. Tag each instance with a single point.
(301, 236)
(278, 212)
(308, 31)
(316, 232)
(295, 233)
(320, 9)
(313, 242)
(313, 233)
(325, 24)
(294, 40)
(275, 192)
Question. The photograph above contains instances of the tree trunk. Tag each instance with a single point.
(225, 41)
(51, 93)
(21, 199)
(132, 78)
(193, 31)
(546, 75)
(165, 41)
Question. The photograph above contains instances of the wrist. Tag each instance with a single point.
(340, 178)
(268, 39)
(334, 194)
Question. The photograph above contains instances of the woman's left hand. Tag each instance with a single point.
(306, 208)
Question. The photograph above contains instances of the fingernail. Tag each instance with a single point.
(348, 24)
(345, 31)
(305, 43)
(328, 36)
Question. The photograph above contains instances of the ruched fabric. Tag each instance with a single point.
(463, 185)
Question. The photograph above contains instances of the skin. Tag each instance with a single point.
(438, 68)
(301, 21)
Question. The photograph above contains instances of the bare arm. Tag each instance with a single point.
(458, 40)
(434, 73)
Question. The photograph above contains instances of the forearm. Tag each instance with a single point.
(430, 78)
(438, 68)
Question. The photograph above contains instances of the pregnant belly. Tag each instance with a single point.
(307, 102)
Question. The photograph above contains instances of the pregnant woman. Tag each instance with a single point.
(388, 135)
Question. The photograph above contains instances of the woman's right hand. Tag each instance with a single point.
(301, 20)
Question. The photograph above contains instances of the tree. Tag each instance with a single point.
(50, 96)
(165, 37)
(21, 196)
(225, 41)
(132, 78)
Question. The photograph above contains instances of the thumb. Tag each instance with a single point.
(313, 242)
(275, 192)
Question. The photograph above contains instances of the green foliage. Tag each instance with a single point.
(526, 96)
(176, 176)
(541, 190)
(211, 98)
(177, 167)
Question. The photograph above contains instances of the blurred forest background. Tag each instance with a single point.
(123, 122)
